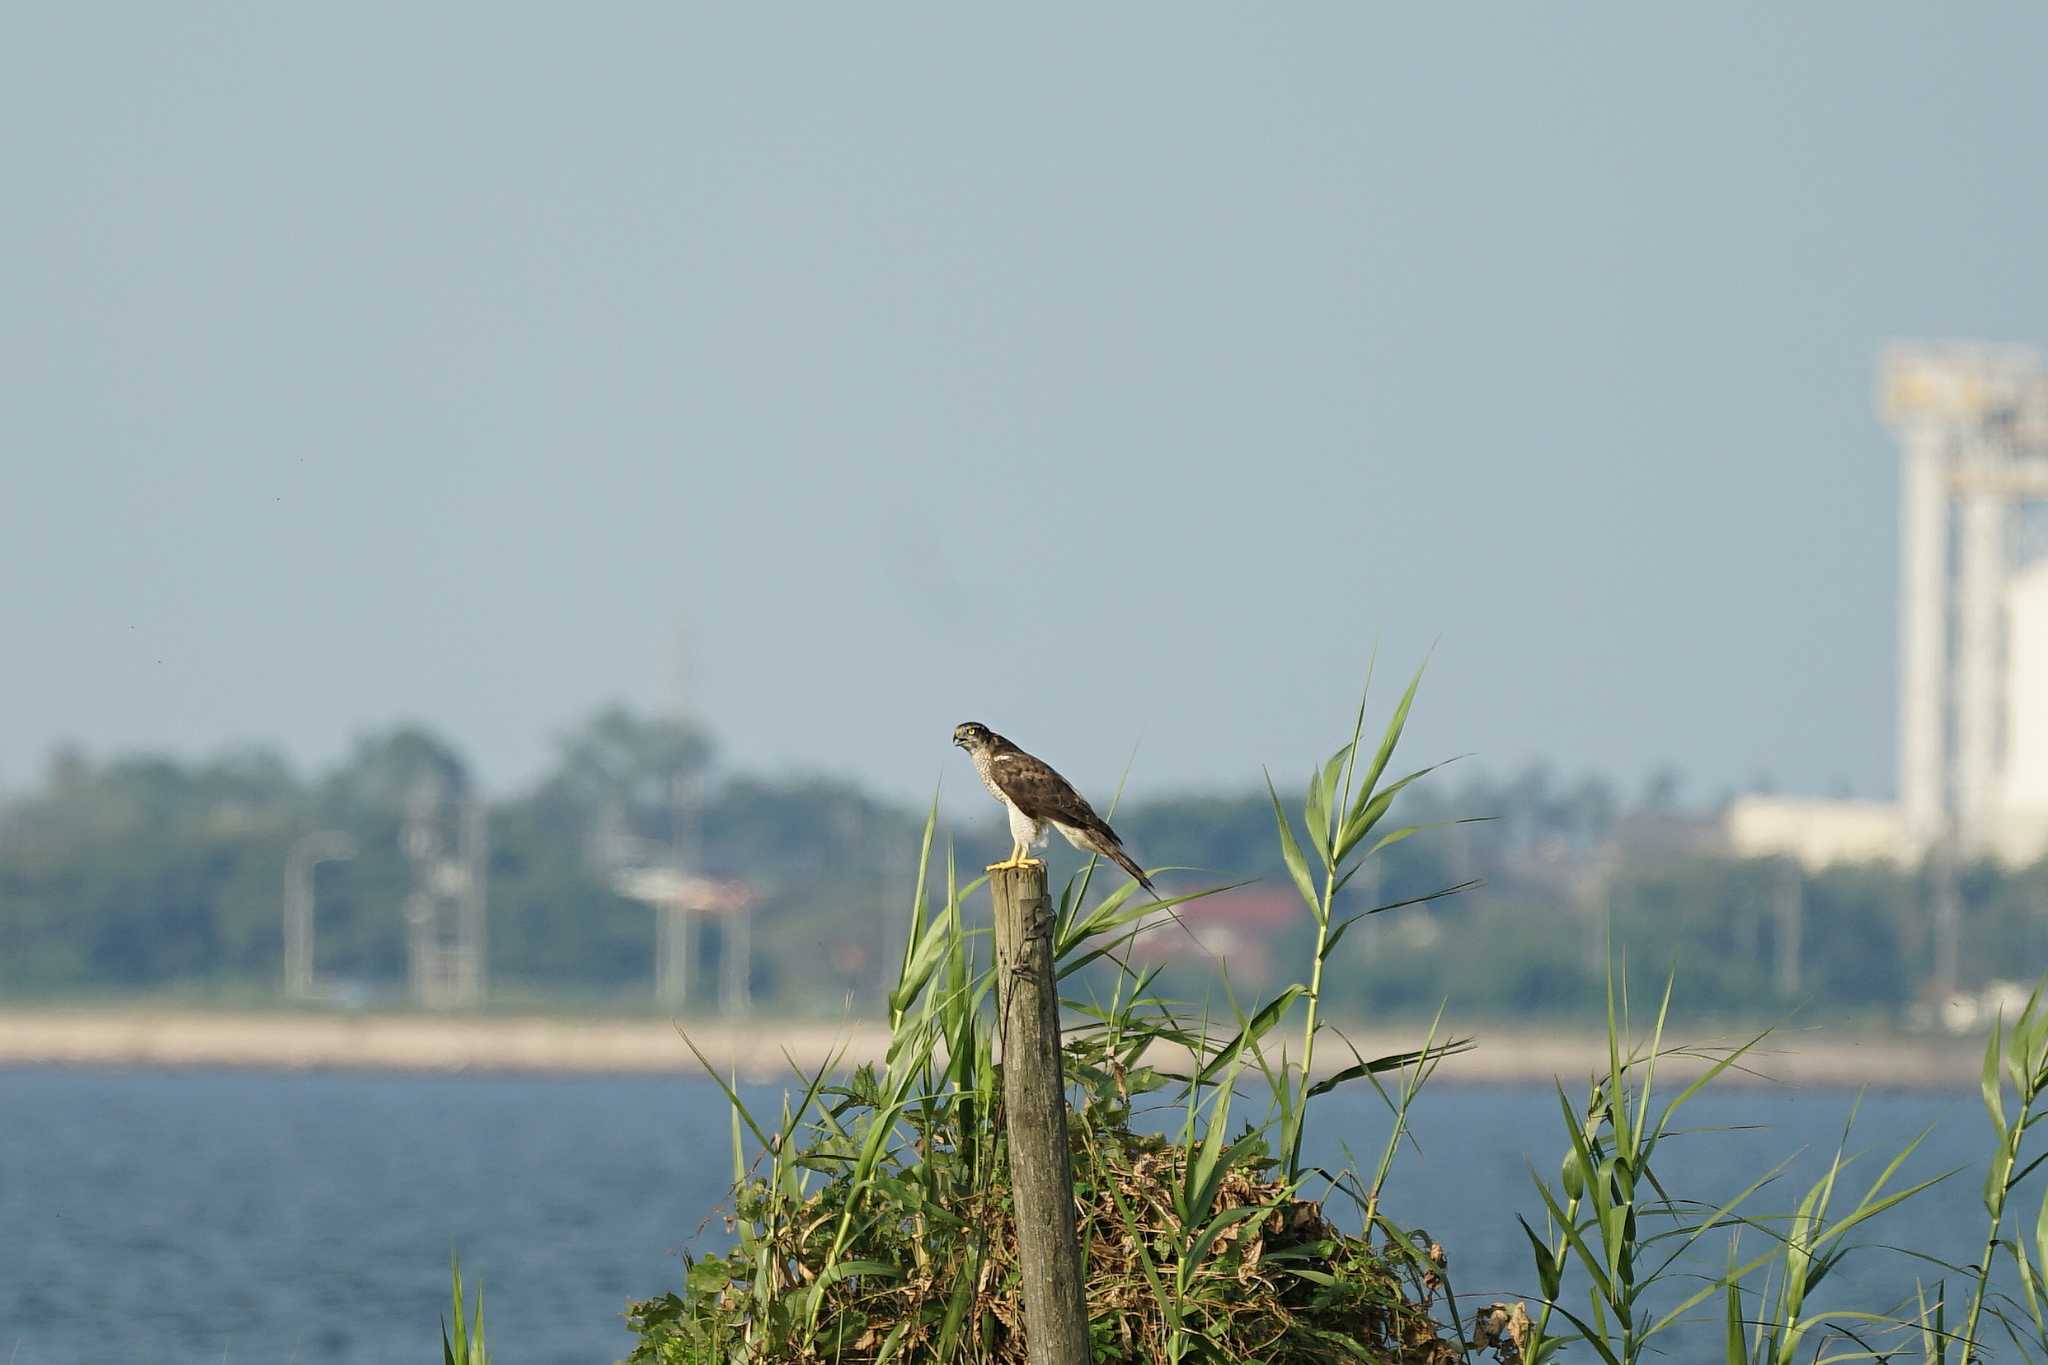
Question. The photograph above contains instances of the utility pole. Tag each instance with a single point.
(1035, 1119)
(1946, 928)
(321, 846)
(674, 927)
(673, 930)
(1788, 902)
(1593, 894)
(675, 924)
(470, 973)
(736, 964)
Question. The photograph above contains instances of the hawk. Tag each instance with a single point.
(1039, 798)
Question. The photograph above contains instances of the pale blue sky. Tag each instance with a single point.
(1112, 376)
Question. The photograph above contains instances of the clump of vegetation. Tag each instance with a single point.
(1244, 1270)
(873, 1223)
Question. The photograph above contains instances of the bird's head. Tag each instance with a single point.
(972, 736)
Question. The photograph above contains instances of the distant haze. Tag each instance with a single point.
(1116, 380)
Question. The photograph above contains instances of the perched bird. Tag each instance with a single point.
(1039, 798)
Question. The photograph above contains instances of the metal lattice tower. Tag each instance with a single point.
(445, 911)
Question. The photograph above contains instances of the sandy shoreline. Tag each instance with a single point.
(285, 1040)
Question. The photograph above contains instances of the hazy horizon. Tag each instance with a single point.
(813, 370)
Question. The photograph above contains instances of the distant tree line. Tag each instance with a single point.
(142, 874)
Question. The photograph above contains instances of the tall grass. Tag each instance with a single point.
(1341, 809)
(2015, 1059)
(466, 1344)
(1613, 1222)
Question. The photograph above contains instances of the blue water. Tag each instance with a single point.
(243, 1217)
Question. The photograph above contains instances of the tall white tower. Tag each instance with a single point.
(2026, 713)
(1973, 427)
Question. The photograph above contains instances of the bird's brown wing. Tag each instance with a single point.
(1033, 787)
(1041, 793)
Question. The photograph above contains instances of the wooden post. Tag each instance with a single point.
(1035, 1119)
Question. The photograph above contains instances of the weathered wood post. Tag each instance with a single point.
(1035, 1119)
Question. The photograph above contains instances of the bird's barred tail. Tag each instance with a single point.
(1104, 841)
(1123, 860)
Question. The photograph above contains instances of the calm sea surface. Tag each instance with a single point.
(245, 1217)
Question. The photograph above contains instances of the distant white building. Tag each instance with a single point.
(1817, 832)
(1973, 627)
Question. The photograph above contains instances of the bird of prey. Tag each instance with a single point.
(1038, 798)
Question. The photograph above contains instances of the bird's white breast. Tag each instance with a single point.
(1023, 828)
(985, 769)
